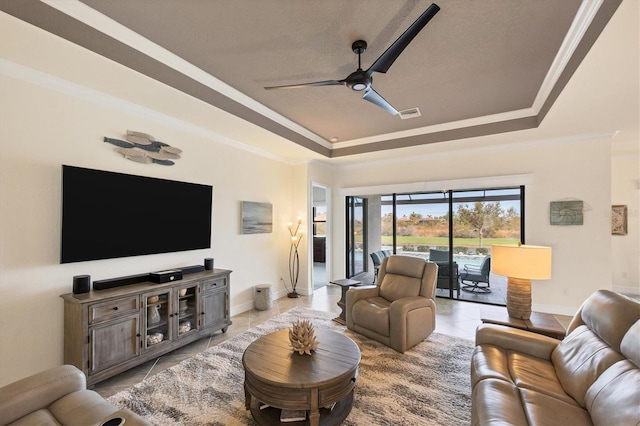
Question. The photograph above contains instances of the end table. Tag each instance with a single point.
(540, 323)
(345, 284)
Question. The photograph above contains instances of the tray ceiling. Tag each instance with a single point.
(477, 68)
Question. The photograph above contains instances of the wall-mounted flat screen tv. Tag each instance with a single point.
(107, 215)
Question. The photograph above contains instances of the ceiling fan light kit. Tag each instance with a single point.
(361, 80)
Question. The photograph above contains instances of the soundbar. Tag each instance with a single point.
(139, 278)
(191, 269)
(120, 281)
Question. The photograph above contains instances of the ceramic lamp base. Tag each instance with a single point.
(519, 298)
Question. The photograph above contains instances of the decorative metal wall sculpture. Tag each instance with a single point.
(619, 220)
(566, 212)
(143, 148)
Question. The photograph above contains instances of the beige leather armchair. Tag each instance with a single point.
(400, 311)
(58, 396)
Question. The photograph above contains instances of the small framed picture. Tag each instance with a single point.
(618, 220)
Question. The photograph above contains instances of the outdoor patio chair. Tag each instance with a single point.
(477, 275)
(376, 257)
(446, 273)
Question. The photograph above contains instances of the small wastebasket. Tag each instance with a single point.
(262, 297)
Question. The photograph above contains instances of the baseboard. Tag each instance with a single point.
(247, 306)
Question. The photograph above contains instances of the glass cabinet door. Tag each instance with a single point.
(157, 323)
(187, 310)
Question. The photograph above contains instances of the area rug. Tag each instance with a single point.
(427, 385)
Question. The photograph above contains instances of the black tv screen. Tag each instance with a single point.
(107, 215)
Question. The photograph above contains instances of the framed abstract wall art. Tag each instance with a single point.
(257, 218)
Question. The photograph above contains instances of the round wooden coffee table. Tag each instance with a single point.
(321, 383)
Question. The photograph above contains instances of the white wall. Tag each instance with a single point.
(625, 185)
(48, 121)
(551, 171)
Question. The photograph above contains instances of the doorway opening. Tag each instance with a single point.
(319, 221)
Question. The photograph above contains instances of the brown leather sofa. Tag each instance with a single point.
(400, 311)
(592, 377)
(58, 396)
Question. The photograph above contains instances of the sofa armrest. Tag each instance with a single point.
(130, 418)
(38, 391)
(353, 295)
(356, 293)
(509, 338)
(399, 308)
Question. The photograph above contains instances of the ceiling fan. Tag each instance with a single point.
(360, 80)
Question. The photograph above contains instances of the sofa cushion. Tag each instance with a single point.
(610, 315)
(630, 346)
(82, 407)
(374, 312)
(542, 409)
(614, 399)
(394, 287)
(406, 265)
(497, 402)
(579, 359)
(489, 362)
(538, 375)
(524, 371)
(38, 417)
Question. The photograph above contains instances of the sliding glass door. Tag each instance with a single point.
(482, 218)
(452, 228)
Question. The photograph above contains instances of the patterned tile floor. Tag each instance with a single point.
(455, 318)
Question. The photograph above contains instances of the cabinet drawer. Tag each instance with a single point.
(216, 284)
(113, 309)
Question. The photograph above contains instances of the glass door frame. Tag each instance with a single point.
(350, 249)
(451, 201)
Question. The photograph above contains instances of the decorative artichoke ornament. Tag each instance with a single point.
(302, 337)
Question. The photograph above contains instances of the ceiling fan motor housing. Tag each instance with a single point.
(358, 81)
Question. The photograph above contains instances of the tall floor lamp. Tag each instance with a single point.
(520, 264)
(294, 258)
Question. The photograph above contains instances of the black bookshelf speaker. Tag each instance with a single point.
(81, 284)
(208, 263)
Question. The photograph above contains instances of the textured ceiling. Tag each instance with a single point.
(477, 68)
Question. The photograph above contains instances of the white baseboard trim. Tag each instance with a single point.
(247, 306)
(554, 309)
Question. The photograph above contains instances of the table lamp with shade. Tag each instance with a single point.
(520, 264)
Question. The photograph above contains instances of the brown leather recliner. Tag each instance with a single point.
(58, 396)
(400, 311)
(592, 377)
